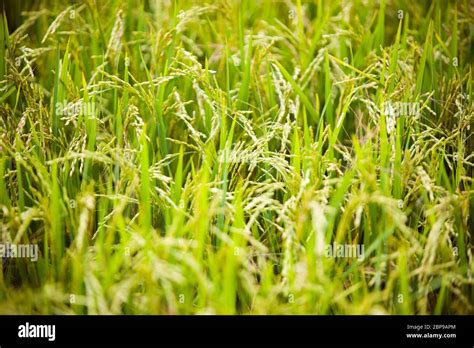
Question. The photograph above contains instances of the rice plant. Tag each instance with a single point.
(237, 157)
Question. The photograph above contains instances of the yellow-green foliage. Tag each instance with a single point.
(190, 157)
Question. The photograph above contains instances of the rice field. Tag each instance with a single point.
(237, 157)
